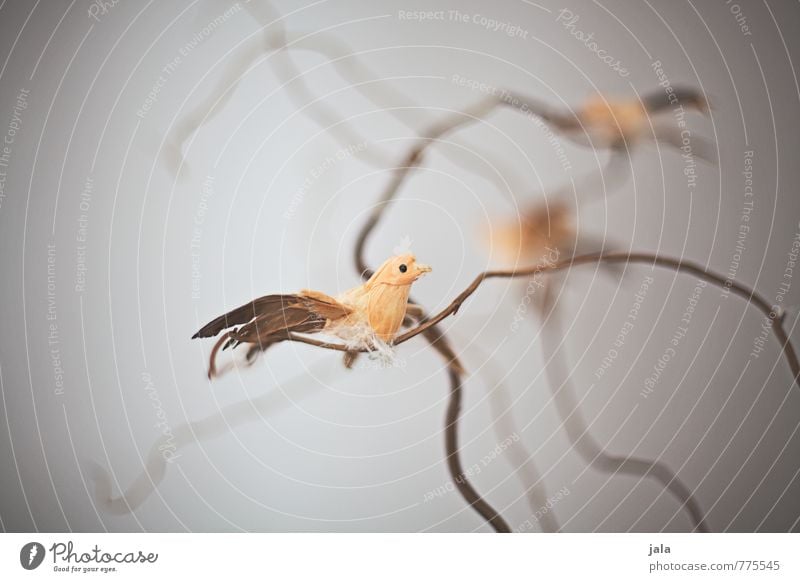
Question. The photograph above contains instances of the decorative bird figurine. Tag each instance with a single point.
(545, 233)
(620, 123)
(362, 316)
(534, 235)
(617, 122)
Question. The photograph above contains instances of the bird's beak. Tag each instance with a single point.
(422, 269)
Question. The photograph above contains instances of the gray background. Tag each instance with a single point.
(316, 447)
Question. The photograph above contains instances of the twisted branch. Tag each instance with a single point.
(585, 444)
(436, 337)
(751, 296)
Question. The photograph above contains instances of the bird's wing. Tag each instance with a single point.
(325, 304)
(265, 316)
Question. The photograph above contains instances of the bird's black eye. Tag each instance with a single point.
(403, 268)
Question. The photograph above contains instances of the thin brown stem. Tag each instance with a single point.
(451, 437)
(578, 432)
(412, 160)
(467, 491)
(750, 295)
(436, 337)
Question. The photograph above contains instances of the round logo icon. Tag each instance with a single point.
(31, 555)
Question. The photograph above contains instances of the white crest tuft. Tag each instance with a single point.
(404, 246)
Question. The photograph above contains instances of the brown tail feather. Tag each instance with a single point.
(270, 319)
(245, 313)
(212, 359)
(318, 305)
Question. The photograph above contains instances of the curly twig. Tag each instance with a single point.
(278, 43)
(454, 460)
(466, 490)
(502, 409)
(578, 431)
(750, 295)
(434, 336)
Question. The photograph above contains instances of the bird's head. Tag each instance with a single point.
(399, 270)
